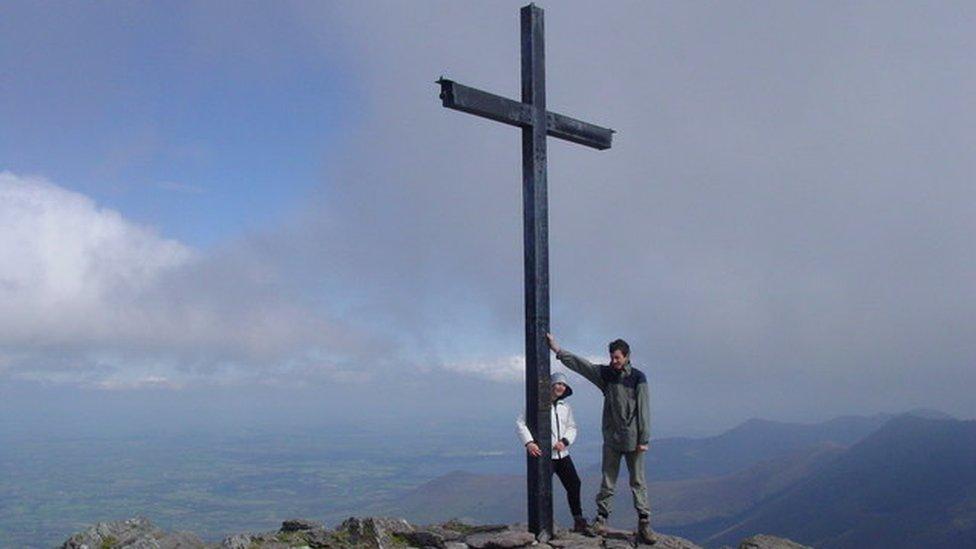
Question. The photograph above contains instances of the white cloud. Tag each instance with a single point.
(147, 382)
(69, 269)
(89, 297)
(506, 368)
(503, 368)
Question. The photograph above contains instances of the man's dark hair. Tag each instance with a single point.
(620, 345)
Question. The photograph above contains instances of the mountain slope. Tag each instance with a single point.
(501, 498)
(681, 502)
(750, 443)
(910, 484)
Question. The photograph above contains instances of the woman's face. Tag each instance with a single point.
(558, 389)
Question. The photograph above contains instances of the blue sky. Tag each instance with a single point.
(204, 196)
(200, 134)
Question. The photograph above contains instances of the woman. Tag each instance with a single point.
(563, 435)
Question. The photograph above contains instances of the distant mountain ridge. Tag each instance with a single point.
(910, 484)
(910, 478)
(735, 450)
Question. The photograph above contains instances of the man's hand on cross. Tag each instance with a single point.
(533, 449)
(551, 339)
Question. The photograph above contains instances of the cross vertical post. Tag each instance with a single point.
(535, 225)
(536, 123)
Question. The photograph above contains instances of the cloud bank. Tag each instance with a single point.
(782, 228)
(89, 297)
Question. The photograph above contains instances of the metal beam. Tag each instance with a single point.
(514, 113)
(535, 212)
(488, 105)
(577, 131)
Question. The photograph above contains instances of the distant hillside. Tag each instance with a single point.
(464, 496)
(752, 442)
(912, 481)
(501, 498)
(681, 502)
(910, 484)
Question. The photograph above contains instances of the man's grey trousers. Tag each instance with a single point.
(638, 485)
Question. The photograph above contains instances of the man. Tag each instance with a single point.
(563, 435)
(626, 428)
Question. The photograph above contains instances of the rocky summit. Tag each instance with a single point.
(378, 533)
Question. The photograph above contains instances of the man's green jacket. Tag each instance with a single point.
(626, 401)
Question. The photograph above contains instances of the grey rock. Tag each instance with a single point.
(617, 534)
(765, 541)
(566, 539)
(447, 532)
(571, 544)
(508, 539)
(455, 530)
(482, 528)
(265, 540)
(302, 534)
(665, 541)
(298, 525)
(320, 538)
(134, 533)
(237, 541)
(181, 540)
(272, 544)
(616, 538)
(383, 533)
(424, 538)
(374, 532)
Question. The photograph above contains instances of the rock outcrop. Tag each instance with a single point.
(135, 533)
(378, 533)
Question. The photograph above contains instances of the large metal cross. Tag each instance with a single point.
(536, 122)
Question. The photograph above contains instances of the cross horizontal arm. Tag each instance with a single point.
(515, 113)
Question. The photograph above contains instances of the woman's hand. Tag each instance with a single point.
(533, 449)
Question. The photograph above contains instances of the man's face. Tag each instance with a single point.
(617, 360)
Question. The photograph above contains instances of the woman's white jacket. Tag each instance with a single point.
(563, 428)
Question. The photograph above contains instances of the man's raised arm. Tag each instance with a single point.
(575, 363)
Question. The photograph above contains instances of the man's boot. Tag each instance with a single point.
(645, 535)
(599, 526)
(580, 526)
